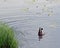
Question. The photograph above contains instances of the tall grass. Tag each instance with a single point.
(7, 39)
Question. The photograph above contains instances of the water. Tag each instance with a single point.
(26, 27)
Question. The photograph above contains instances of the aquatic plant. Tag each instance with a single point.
(7, 39)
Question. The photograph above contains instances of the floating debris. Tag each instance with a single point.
(25, 9)
(33, 0)
(50, 13)
(29, 1)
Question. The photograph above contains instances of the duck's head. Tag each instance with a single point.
(41, 28)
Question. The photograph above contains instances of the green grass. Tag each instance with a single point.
(7, 39)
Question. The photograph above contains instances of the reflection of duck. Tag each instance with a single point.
(40, 34)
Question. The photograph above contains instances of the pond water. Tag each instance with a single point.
(26, 27)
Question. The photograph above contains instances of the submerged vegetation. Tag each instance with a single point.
(7, 39)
